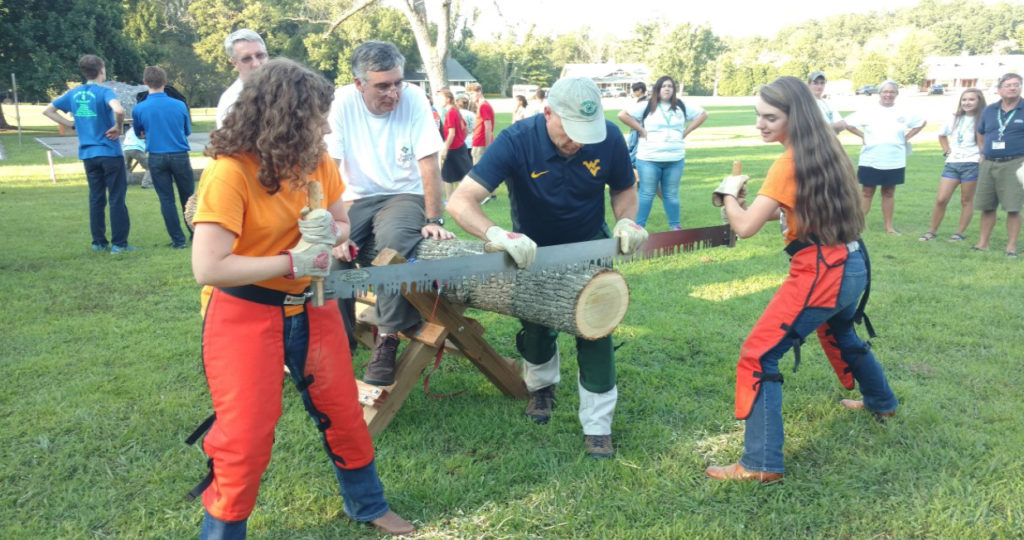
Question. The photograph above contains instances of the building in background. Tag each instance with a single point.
(612, 79)
(959, 72)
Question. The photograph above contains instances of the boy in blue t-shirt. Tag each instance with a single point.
(98, 117)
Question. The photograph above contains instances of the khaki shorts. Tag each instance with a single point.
(998, 186)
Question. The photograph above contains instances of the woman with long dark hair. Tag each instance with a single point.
(959, 140)
(814, 183)
(662, 125)
(255, 258)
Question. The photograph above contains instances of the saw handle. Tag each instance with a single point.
(737, 168)
(314, 199)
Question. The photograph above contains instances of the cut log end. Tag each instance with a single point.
(601, 305)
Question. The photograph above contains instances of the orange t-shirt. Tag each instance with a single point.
(230, 195)
(780, 186)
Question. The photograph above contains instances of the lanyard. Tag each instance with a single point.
(661, 109)
(1003, 123)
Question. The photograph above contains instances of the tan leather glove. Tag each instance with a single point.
(519, 246)
(731, 185)
(630, 235)
(319, 227)
(309, 260)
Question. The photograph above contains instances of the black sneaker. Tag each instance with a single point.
(541, 403)
(598, 446)
(381, 369)
(175, 245)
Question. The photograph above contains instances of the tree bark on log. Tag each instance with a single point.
(586, 301)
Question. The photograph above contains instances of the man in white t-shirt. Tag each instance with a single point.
(247, 51)
(385, 142)
(816, 82)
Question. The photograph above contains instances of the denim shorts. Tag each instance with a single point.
(965, 171)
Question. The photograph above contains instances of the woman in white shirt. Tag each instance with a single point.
(886, 131)
(959, 140)
(661, 152)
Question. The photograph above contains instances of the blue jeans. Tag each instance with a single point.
(763, 438)
(107, 175)
(168, 171)
(655, 174)
(361, 489)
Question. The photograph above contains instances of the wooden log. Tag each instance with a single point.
(586, 301)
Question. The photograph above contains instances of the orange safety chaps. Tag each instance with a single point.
(815, 274)
(243, 357)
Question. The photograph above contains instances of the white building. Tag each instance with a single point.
(960, 72)
(612, 76)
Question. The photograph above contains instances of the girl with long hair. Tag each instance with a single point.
(456, 160)
(959, 140)
(814, 184)
(255, 257)
(663, 123)
(520, 111)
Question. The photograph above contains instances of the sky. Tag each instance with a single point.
(727, 17)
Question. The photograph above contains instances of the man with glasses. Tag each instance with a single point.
(384, 140)
(247, 51)
(1002, 128)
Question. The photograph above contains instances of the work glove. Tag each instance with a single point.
(630, 235)
(319, 227)
(731, 185)
(519, 246)
(309, 260)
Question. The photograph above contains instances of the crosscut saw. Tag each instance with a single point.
(559, 258)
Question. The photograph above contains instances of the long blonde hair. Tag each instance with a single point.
(828, 204)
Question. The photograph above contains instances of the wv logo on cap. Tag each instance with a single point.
(588, 108)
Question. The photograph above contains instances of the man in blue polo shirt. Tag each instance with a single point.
(1002, 126)
(98, 117)
(164, 122)
(556, 166)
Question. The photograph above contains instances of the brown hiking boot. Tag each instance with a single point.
(381, 369)
(598, 446)
(393, 524)
(541, 403)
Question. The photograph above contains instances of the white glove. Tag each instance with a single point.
(309, 260)
(1020, 175)
(319, 227)
(630, 235)
(731, 185)
(519, 246)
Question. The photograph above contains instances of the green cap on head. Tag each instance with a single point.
(577, 101)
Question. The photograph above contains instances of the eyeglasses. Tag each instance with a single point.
(261, 56)
(385, 88)
(1011, 86)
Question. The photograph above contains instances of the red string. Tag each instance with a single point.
(440, 351)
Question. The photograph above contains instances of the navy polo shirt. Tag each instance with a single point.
(165, 123)
(1013, 135)
(554, 199)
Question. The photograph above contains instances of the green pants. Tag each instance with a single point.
(596, 358)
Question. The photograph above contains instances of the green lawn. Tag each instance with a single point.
(103, 382)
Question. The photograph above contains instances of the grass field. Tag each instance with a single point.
(103, 381)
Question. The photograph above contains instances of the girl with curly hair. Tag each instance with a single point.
(813, 183)
(255, 258)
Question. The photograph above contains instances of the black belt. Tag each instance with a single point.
(269, 297)
(1006, 158)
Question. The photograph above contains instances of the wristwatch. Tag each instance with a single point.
(437, 220)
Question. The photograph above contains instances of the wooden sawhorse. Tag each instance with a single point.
(443, 327)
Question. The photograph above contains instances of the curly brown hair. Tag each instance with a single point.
(280, 117)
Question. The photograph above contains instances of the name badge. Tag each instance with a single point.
(999, 145)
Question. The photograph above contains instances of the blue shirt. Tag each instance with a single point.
(554, 199)
(1012, 136)
(164, 122)
(90, 105)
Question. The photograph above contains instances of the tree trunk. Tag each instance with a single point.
(3, 119)
(589, 301)
(435, 55)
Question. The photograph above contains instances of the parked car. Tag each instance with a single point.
(867, 90)
(937, 89)
(612, 91)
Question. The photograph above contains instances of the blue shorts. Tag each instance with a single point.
(964, 171)
(870, 176)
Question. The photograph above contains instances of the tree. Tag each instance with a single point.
(41, 41)
(688, 54)
(872, 69)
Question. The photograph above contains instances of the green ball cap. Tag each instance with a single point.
(577, 101)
